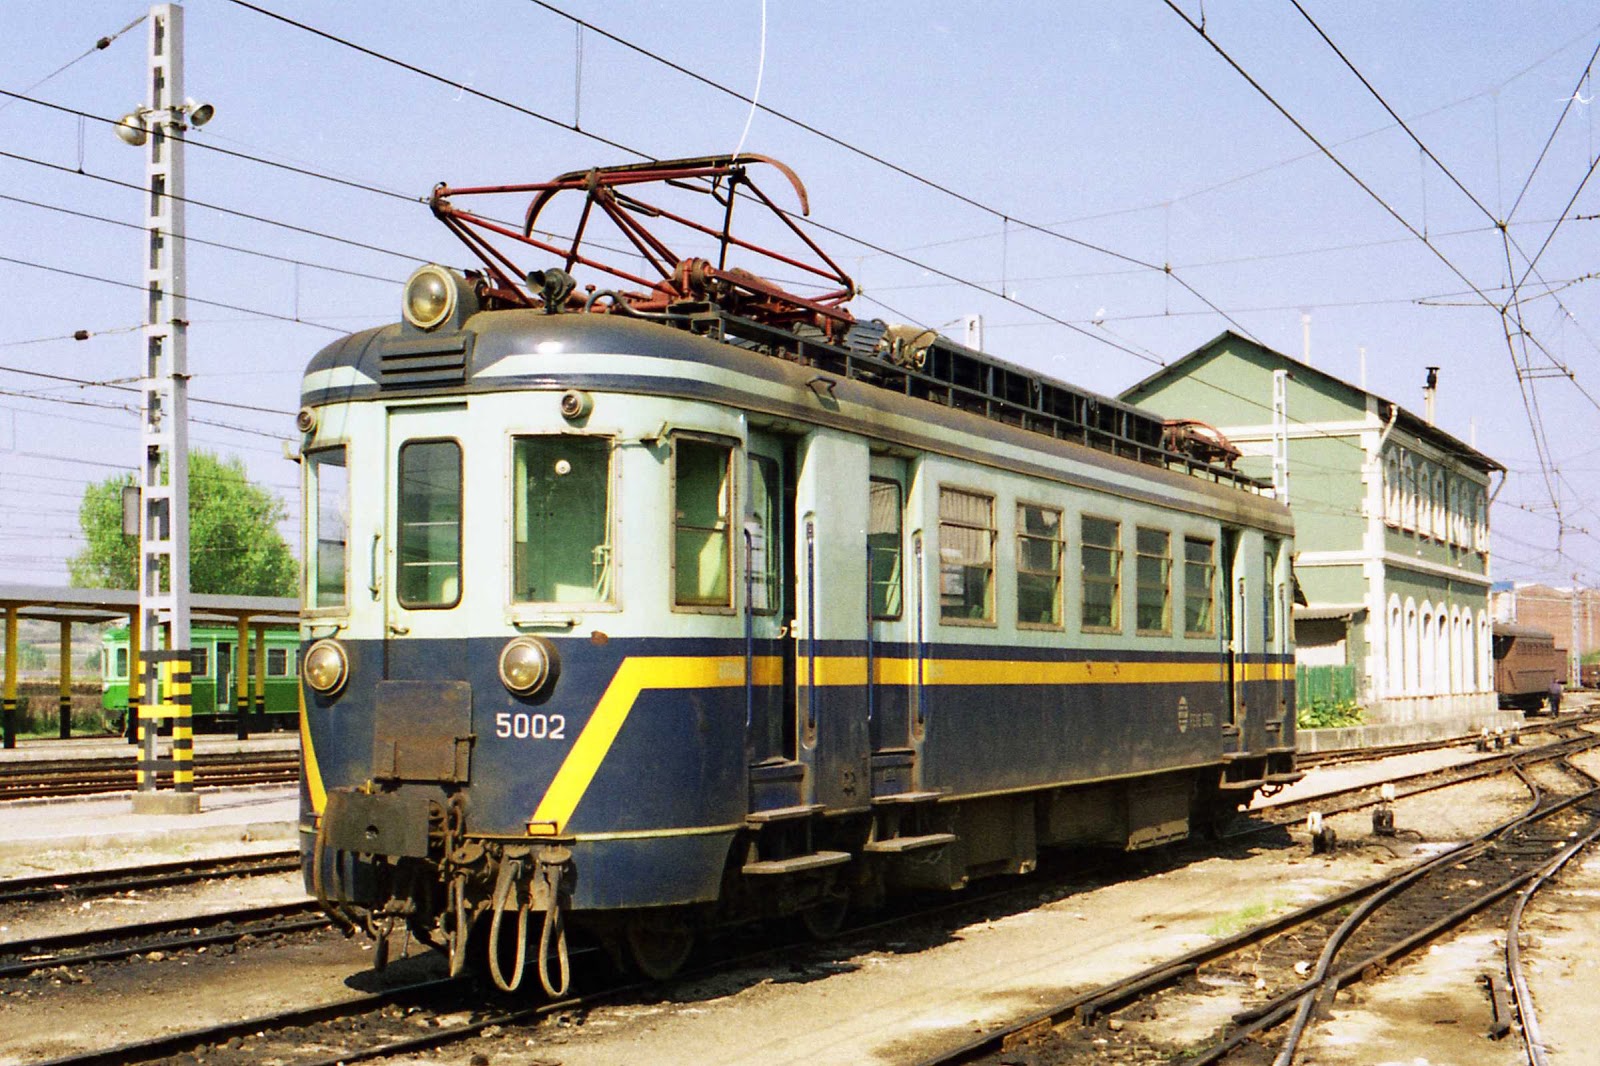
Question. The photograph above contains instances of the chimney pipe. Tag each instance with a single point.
(1428, 392)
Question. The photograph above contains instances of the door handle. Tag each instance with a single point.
(373, 583)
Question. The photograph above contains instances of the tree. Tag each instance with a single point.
(235, 548)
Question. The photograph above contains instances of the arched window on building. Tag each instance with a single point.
(1439, 509)
(1458, 652)
(1480, 523)
(1445, 650)
(1413, 651)
(1424, 501)
(1469, 651)
(1428, 679)
(1485, 653)
(1394, 671)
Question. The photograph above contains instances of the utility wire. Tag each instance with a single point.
(120, 387)
(216, 207)
(574, 128)
(209, 244)
(99, 46)
(191, 299)
(1572, 98)
(1005, 216)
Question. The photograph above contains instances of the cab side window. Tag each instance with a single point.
(702, 503)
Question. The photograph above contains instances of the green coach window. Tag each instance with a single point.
(1153, 548)
(702, 503)
(883, 538)
(561, 520)
(966, 556)
(1102, 574)
(1038, 566)
(1199, 587)
(430, 524)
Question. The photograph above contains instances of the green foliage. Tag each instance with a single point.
(235, 548)
(1328, 713)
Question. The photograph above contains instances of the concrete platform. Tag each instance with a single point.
(44, 836)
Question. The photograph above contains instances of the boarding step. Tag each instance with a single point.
(897, 845)
(815, 861)
(781, 814)
(907, 797)
(1285, 779)
(1241, 786)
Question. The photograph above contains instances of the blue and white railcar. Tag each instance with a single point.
(654, 625)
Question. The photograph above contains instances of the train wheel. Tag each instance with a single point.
(826, 918)
(658, 947)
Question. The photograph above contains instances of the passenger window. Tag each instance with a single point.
(122, 663)
(200, 661)
(1269, 602)
(1038, 566)
(1102, 574)
(277, 662)
(1154, 580)
(561, 523)
(763, 553)
(430, 524)
(966, 556)
(702, 495)
(883, 543)
(329, 492)
(1199, 587)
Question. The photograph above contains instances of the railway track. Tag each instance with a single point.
(1364, 931)
(87, 777)
(386, 1023)
(87, 884)
(20, 958)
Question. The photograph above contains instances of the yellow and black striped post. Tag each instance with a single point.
(8, 708)
(135, 668)
(167, 689)
(64, 701)
(261, 676)
(241, 678)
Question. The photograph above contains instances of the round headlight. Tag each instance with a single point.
(526, 664)
(430, 297)
(325, 666)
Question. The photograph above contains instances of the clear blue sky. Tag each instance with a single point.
(1112, 123)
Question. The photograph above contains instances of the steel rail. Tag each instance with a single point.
(1532, 1034)
(87, 883)
(1114, 995)
(178, 1043)
(42, 953)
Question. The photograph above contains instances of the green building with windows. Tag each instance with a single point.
(1391, 534)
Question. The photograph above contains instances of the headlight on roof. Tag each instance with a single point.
(527, 664)
(430, 297)
(325, 667)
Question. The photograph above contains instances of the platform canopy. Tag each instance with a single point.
(60, 604)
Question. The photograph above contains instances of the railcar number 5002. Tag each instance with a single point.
(530, 726)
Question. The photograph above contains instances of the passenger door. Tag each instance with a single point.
(415, 565)
(769, 553)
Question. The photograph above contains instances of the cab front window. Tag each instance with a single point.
(561, 519)
(430, 524)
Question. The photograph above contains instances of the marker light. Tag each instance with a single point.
(325, 667)
(430, 297)
(525, 664)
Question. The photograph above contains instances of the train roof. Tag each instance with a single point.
(399, 359)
